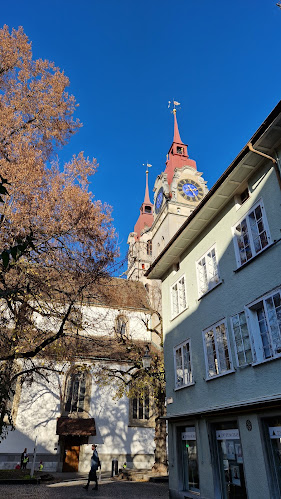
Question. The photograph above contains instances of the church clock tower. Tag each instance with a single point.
(177, 191)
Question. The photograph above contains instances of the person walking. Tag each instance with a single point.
(95, 464)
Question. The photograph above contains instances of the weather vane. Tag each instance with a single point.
(175, 104)
(148, 165)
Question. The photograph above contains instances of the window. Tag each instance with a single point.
(251, 234)
(179, 150)
(265, 321)
(141, 405)
(147, 209)
(188, 464)
(75, 320)
(122, 326)
(207, 272)
(149, 247)
(242, 340)
(182, 365)
(140, 411)
(216, 350)
(75, 392)
(244, 195)
(178, 297)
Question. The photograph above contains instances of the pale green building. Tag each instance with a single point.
(221, 302)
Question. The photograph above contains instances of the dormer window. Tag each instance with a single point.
(179, 150)
(147, 209)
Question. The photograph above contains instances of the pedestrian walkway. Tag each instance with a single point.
(72, 488)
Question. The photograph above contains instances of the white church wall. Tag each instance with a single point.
(101, 321)
(38, 410)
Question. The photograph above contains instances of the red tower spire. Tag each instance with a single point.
(146, 218)
(177, 156)
(146, 197)
(177, 139)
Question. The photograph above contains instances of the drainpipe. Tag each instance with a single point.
(274, 161)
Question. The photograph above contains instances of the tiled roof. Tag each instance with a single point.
(119, 293)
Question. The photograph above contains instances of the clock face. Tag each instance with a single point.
(159, 200)
(190, 190)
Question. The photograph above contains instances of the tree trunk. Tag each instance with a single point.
(160, 464)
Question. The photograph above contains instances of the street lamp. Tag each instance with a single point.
(146, 360)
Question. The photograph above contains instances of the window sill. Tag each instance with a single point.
(220, 375)
(265, 361)
(255, 256)
(141, 424)
(175, 316)
(210, 290)
(189, 495)
(184, 386)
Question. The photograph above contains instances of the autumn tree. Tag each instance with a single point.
(55, 239)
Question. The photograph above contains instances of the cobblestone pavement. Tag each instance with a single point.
(74, 490)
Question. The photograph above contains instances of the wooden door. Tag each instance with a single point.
(71, 455)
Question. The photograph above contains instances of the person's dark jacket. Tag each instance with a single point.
(95, 462)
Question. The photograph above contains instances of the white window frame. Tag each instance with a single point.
(246, 218)
(181, 300)
(242, 347)
(218, 362)
(256, 336)
(205, 273)
(187, 377)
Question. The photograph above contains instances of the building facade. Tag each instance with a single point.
(221, 302)
(72, 409)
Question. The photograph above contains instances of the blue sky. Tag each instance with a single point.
(127, 59)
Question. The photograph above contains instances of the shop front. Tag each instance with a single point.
(230, 461)
(188, 458)
(272, 430)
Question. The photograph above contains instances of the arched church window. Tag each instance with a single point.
(122, 326)
(149, 247)
(147, 209)
(141, 408)
(75, 392)
(141, 405)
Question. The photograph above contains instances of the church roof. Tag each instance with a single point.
(119, 293)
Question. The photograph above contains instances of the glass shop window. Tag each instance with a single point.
(189, 479)
(230, 457)
(273, 431)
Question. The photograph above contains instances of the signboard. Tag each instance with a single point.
(232, 434)
(274, 431)
(189, 433)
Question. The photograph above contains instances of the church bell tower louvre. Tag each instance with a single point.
(177, 191)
